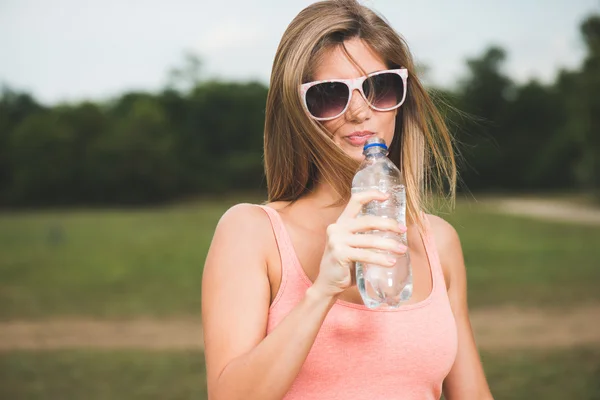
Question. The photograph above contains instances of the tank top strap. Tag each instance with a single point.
(284, 242)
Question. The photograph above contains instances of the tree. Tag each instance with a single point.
(590, 110)
(187, 76)
(483, 94)
(14, 108)
(537, 153)
(134, 161)
(225, 135)
(41, 160)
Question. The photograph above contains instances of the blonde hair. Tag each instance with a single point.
(299, 150)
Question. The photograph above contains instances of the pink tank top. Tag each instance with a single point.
(362, 353)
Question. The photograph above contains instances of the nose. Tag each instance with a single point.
(358, 109)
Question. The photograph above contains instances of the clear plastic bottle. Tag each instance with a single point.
(383, 286)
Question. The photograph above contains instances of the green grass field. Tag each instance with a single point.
(105, 263)
(132, 263)
(100, 375)
(527, 262)
(149, 262)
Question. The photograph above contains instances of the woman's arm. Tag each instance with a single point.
(466, 380)
(242, 361)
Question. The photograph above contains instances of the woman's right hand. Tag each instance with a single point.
(344, 247)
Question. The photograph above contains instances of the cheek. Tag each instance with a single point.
(331, 127)
(387, 123)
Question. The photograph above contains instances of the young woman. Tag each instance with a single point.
(282, 316)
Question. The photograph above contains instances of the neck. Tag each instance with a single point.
(323, 195)
(321, 200)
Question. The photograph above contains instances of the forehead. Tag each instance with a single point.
(334, 63)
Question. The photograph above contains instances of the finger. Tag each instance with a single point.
(371, 222)
(358, 200)
(377, 243)
(371, 257)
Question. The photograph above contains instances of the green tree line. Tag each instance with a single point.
(203, 137)
(530, 136)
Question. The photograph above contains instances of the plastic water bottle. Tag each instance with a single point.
(383, 286)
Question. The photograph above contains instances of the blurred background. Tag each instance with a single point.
(128, 128)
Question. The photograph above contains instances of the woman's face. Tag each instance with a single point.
(359, 122)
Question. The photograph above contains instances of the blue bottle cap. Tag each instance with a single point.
(367, 146)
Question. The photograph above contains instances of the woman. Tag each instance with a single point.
(281, 313)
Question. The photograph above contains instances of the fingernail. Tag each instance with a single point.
(391, 261)
(403, 228)
(402, 248)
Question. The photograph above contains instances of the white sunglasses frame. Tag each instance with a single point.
(355, 84)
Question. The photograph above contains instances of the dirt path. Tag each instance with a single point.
(82, 333)
(495, 329)
(511, 328)
(547, 209)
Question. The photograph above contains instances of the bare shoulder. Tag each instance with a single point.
(444, 233)
(243, 227)
(235, 286)
(242, 219)
(448, 246)
(239, 248)
(242, 213)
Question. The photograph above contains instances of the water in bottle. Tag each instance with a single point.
(382, 286)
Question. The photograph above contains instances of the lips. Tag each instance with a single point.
(359, 138)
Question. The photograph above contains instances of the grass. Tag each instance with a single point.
(548, 374)
(105, 263)
(65, 375)
(527, 262)
(102, 375)
(148, 262)
(124, 263)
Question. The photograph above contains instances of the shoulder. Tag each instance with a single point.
(448, 247)
(242, 214)
(242, 221)
(243, 236)
(444, 233)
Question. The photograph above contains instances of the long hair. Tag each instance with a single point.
(299, 151)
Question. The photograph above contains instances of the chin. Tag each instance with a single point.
(355, 153)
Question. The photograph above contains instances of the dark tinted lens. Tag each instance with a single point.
(384, 90)
(327, 100)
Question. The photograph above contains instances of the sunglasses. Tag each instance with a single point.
(382, 90)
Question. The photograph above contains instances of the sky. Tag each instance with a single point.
(74, 50)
